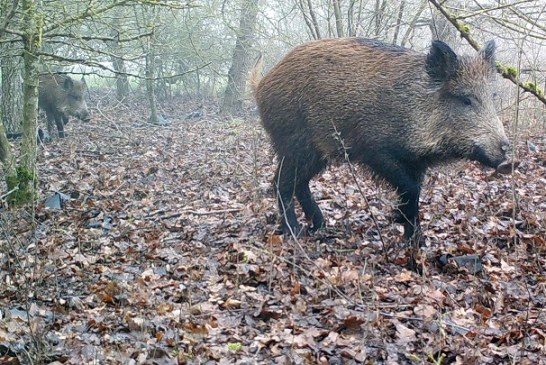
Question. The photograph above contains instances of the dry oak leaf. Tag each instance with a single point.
(404, 334)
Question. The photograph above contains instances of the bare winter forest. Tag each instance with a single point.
(146, 196)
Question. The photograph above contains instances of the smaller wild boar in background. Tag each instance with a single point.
(394, 110)
(59, 97)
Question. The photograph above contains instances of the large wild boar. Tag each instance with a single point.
(394, 110)
(60, 97)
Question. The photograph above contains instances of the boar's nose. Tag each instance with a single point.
(506, 148)
(509, 163)
(84, 116)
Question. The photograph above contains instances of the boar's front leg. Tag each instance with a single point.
(59, 117)
(408, 186)
(55, 123)
(408, 213)
(406, 179)
(50, 122)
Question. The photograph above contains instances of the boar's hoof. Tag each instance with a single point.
(398, 217)
(314, 229)
(415, 266)
(506, 167)
(416, 241)
(295, 230)
(415, 260)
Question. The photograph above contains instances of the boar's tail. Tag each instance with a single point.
(255, 75)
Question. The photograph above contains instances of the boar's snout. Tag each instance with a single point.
(84, 116)
(500, 159)
(509, 163)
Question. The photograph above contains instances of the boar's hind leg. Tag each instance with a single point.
(285, 183)
(303, 193)
(293, 177)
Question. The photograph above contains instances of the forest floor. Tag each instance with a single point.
(168, 253)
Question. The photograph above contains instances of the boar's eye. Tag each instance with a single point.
(466, 100)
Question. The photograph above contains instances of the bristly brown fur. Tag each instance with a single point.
(60, 97)
(391, 109)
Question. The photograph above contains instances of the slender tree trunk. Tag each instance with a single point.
(122, 83)
(351, 28)
(379, 15)
(339, 18)
(7, 161)
(118, 63)
(240, 64)
(11, 109)
(12, 91)
(150, 81)
(26, 180)
(314, 19)
(307, 19)
(150, 17)
(399, 21)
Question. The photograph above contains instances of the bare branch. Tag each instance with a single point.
(86, 62)
(95, 38)
(483, 10)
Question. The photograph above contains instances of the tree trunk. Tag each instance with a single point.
(122, 83)
(6, 158)
(240, 64)
(118, 63)
(26, 180)
(10, 110)
(379, 16)
(150, 81)
(398, 21)
(12, 91)
(339, 18)
(311, 21)
(116, 49)
(351, 28)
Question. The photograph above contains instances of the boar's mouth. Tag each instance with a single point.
(502, 162)
(507, 166)
(84, 117)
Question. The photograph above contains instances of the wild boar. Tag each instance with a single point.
(393, 110)
(60, 97)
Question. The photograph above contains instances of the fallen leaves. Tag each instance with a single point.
(168, 253)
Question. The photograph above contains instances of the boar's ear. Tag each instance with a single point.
(441, 62)
(488, 52)
(68, 83)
